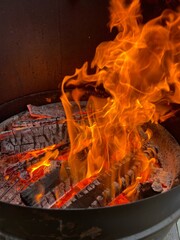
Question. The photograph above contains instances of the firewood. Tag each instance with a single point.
(44, 126)
(53, 110)
(35, 137)
(101, 191)
(31, 122)
(34, 193)
(23, 162)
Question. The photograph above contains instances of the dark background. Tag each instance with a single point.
(43, 40)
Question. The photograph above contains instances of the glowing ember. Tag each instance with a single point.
(140, 72)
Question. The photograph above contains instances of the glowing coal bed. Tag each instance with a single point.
(41, 176)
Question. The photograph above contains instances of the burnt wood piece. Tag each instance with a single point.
(33, 122)
(34, 193)
(146, 190)
(20, 161)
(21, 166)
(57, 192)
(31, 138)
(102, 190)
(53, 110)
(159, 181)
(7, 124)
(26, 133)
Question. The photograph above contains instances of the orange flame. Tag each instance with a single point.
(45, 161)
(40, 194)
(140, 71)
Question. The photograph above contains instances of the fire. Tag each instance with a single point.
(45, 161)
(40, 194)
(139, 70)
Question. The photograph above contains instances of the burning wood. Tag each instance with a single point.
(24, 161)
(136, 82)
(102, 190)
(34, 193)
(49, 188)
(30, 134)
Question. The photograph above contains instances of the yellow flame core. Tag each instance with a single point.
(140, 70)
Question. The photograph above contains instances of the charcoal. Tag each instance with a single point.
(146, 190)
(48, 110)
(36, 137)
(100, 192)
(85, 197)
(44, 185)
(21, 166)
(159, 181)
(29, 123)
(50, 197)
(7, 124)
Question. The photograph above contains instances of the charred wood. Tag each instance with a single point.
(101, 191)
(21, 161)
(53, 110)
(34, 193)
(146, 190)
(35, 137)
(41, 127)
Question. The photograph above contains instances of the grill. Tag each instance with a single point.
(37, 51)
(67, 222)
(18, 187)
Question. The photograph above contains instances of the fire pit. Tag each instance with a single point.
(70, 223)
(100, 152)
(34, 155)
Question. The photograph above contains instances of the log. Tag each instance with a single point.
(44, 126)
(23, 162)
(57, 192)
(35, 137)
(102, 190)
(35, 192)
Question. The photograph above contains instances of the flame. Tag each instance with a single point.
(140, 71)
(40, 193)
(121, 199)
(44, 162)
